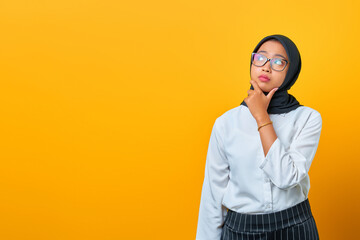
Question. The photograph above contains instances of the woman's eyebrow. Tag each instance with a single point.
(274, 55)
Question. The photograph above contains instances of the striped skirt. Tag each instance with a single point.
(296, 222)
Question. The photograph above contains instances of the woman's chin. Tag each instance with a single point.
(264, 87)
(267, 86)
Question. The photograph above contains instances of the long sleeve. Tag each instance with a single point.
(287, 166)
(211, 212)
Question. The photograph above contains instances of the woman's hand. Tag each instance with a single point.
(258, 102)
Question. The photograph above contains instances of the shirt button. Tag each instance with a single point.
(266, 180)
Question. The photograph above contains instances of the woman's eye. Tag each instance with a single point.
(278, 62)
(259, 57)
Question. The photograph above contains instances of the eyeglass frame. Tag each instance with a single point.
(268, 59)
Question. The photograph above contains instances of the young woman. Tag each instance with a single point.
(256, 180)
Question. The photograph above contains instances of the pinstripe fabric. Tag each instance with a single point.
(294, 223)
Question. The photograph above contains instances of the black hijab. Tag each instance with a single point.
(281, 101)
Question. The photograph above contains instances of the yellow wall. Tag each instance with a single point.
(107, 108)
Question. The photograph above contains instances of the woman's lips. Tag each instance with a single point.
(264, 78)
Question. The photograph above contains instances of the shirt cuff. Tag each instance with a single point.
(273, 146)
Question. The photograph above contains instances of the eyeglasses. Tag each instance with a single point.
(276, 64)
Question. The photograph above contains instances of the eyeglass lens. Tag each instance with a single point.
(277, 64)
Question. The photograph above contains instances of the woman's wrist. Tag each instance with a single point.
(264, 118)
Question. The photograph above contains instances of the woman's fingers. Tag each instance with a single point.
(271, 93)
(250, 91)
(255, 85)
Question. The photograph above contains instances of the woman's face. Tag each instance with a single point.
(270, 49)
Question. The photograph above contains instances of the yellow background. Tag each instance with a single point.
(107, 109)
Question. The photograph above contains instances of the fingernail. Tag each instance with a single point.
(276, 89)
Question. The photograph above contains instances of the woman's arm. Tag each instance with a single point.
(258, 103)
(285, 166)
(267, 133)
(288, 166)
(211, 212)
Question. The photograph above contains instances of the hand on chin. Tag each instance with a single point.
(256, 100)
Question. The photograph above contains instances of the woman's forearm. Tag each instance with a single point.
(267, 133)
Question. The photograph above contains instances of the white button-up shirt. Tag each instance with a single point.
(238, 176)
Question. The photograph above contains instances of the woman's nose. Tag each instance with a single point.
(267, 67)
